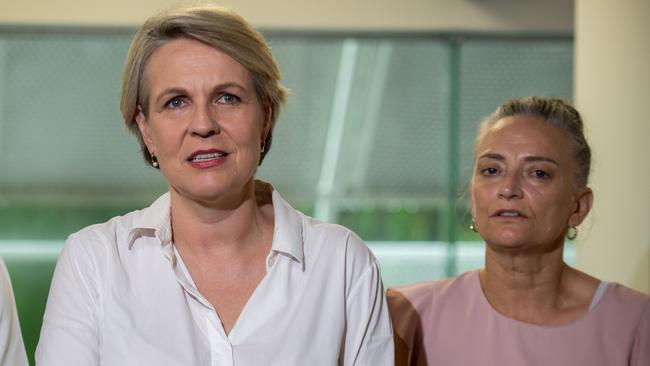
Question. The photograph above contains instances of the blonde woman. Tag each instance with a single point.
(220, 270)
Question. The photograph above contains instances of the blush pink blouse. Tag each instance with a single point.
(450, 322)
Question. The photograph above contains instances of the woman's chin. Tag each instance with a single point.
(202, 195)
(508, 241)
(211, 194)
(521, 245)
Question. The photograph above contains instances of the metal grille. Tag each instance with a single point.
(377, 134)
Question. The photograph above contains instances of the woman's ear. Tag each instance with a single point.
(143, 126)
(266, 123)
(583, 204)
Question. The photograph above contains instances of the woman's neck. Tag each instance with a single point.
(228, 226)
(537, 288)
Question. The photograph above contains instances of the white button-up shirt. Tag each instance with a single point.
(12, 350)
(121, 295)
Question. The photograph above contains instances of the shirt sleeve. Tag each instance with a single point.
(641, 349)
(12, 350)
(369, 338)
(407, 329)
(70, 331)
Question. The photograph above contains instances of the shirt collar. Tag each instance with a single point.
(287, 228)
(153, 221)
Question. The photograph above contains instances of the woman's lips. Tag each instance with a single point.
(508, 213)
(203, 159)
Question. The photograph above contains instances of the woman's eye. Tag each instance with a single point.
(175, 102)
(228, 99)
(540, 174)
(489, 171)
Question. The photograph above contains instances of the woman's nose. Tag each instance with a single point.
(204, 122)
(510, 187)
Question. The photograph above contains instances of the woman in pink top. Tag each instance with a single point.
(527, 306)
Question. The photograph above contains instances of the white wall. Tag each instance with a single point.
(481, 15)
(612, 91)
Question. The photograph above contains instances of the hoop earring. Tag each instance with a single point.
(154, 161)
(572, 233)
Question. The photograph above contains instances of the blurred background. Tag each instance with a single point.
(377, 134)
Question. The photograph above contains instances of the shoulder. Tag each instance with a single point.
(111, 232)
(6, 292)
(335, 236)
(340, 248)
(336, 252)
(626, 315)
(421, 296)
(328, 251)
(91, 256)
(420, 310)
(623, 311)
(99, 243)
(337, 243)
(422, 302)
(625, 295)
(116, 231)
(624, 300)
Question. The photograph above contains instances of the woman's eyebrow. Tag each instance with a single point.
(168, 91)
(528, 159)
(230, 85)
(493, 156)
(535, 158)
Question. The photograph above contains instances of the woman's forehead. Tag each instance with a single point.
(525, 135)
(188, 61)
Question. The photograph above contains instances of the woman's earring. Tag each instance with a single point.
(154, 161)
(472, 227)
(263, 147)
(572, 233)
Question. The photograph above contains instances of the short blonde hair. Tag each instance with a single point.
(214, 26)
